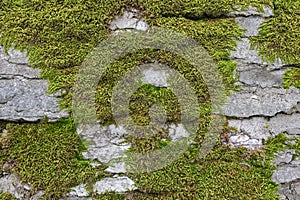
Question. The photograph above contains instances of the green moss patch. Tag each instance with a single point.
(6, 197)
(59, 34)
(56, 33)
(224, 173)
(109, 196)
(48, 157)
(195, 9)
(292, 78)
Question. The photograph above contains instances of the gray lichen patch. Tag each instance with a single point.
(23, 95)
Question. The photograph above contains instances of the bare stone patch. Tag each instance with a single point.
(23, 96)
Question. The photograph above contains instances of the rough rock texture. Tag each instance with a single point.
(263, 108)
(23, 96)
(11, 184)
(129, 20)
(118, 184)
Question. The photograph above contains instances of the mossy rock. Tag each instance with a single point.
(59, 34)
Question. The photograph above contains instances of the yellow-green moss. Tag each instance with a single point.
(195, 9)
(6, 197)
(292, 78)
(59, 34)
(48, 157)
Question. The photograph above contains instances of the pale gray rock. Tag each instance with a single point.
(39, 195)
(284, 157)
(3, 54)
(118, 184)
(290, 191)
(252, 11)
(156, 77)
(244, 54)
(261, 78)
(11, 184)
(79, 191)
(177, 132)
(106, 143)
(251, 24)
(296, 187)
(9, 71)
(295, 162)
(117, 168)
(286, 174)
(263, 108)
(108, 153)
(129, 20)
(257, 101)
(23, 96)
(18, 57)
(260, 128)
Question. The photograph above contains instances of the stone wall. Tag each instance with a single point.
(263, 108)
(260, 110)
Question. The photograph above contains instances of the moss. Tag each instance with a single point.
(109, 196)
(215, 35)
(279, 38)
(56, 33)
(48, 156)
(59, 34)
(292, 78)
(195, 9)
(224, 173)
(6, 196)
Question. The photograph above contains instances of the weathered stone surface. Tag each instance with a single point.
(246, 55)
(119, 184)
(106, 142)
(117, 168)
(10, 71)
(177, 132)
(252, 11)
(11, 184)
(156, 77)
(286, 174)
(79, 191)
(260, 110)
(23, 96)
(129, 20)
(284, 157)
(18, 57)
(261, 78)
(263, 108)
(290, 191)
(22, 99)
(39, 195)
(256, 101)
(251, 24)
